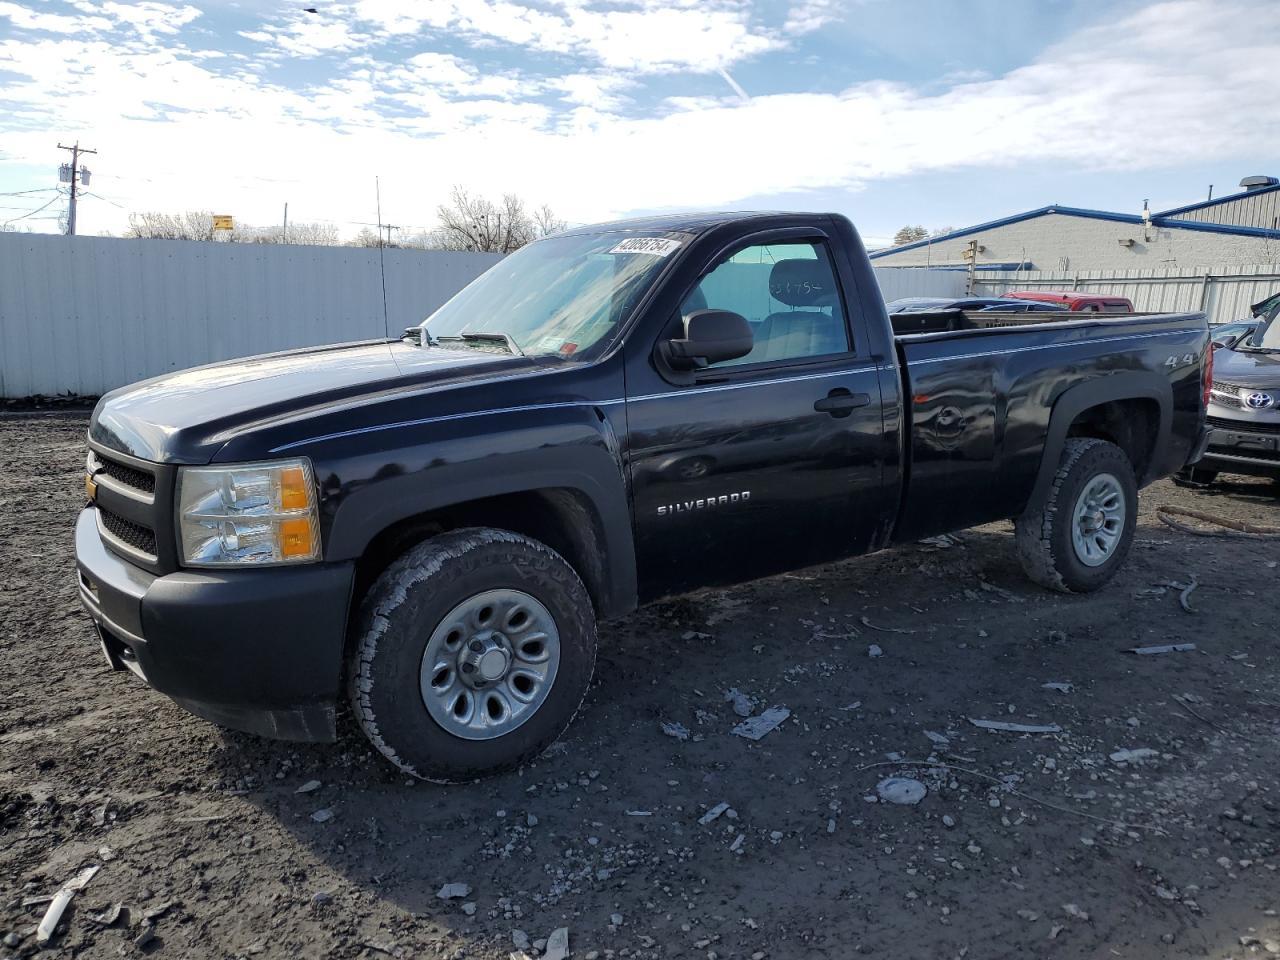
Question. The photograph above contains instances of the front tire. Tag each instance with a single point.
(1081, 535)
(473, 653)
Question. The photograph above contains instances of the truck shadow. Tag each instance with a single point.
(611, 819)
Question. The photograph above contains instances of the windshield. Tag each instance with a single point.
(559, 296)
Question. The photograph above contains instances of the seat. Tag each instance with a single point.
(807, 332)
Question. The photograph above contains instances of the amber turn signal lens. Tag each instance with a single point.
(295, 538)
(293, 489)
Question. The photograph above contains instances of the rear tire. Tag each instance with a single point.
(473, 653)
(1079, 537)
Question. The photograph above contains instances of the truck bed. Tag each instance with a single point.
(977, 403)
(954, 321)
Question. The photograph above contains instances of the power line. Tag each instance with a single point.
(76, 150)
(33, 212)
(23, 193)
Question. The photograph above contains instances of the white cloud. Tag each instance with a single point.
(643, 36)
(1172, 84)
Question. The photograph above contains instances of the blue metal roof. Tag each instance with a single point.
(1157, 220)
(1226, 198)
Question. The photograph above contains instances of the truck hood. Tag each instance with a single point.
(1245, 369)
(186, 417)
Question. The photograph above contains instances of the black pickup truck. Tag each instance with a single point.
(610, 415)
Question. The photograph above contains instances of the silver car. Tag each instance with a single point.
(1244, 403)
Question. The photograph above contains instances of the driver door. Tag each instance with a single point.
(768, 462)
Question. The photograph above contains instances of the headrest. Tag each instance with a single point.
(802, 283)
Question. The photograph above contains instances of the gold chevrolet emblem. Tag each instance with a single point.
(90, 487)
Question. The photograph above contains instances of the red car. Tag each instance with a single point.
(1087, 302)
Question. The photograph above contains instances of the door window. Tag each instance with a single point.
(789, 295)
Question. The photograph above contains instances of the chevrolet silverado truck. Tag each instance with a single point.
(432, 525)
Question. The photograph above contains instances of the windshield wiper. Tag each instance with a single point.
(503, 338)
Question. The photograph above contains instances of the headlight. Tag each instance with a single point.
(252, 514)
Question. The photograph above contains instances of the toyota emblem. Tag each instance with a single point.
(1259, 401)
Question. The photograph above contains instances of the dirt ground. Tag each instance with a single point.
(1025, 845)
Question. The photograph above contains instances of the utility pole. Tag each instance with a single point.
(76, 150)
(971, 254)
(284, 231)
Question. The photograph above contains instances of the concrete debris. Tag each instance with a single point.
(1008, 727)
(1140, 755)
(852, 706)
(454, 891)
(469, 908)
(938, 738)
(1060, 687)
(948, 821)
(736, 846)
(615, 919)
(1162, 648)
(146, 933)
(673, 729)
(713, 813)
(901, 790)
(874, 651)
(1164, 893)
(695, 635)
(308, 787)
(755, 728)
(557, 945)
(1074, 912)
(742, 704)
(639, 813)
(323, 815)
(58, 905)
(520, 940)
(108, 917)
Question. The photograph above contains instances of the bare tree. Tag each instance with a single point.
(198, 225)
(909, 234)
(153, 225)
(470, 222)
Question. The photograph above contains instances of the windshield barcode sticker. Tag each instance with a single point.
(657, 246)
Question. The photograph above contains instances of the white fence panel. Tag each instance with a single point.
(898, 282)
(1223, 293)
(87, 314)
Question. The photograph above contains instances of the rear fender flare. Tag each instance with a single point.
(1073, 401)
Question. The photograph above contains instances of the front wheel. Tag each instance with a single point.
(1081, 535)
(474, 652)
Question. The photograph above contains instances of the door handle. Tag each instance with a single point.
(841, 403)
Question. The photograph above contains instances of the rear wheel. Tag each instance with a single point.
(1082, 533)
(474, 652)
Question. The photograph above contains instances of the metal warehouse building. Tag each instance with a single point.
(1241, 228)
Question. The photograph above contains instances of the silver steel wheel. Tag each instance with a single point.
(490, 664)
(1097, 522)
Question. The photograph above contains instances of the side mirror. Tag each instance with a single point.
(710, 336)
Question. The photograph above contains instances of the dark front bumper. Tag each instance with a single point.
(1241, 447)
(255, 650)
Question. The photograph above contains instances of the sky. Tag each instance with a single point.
(892, 112)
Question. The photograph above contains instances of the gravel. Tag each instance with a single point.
(208, 821)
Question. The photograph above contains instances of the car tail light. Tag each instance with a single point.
(1207, 384)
